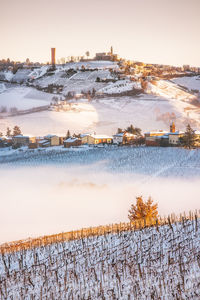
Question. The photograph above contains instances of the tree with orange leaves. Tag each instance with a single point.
(143, 210)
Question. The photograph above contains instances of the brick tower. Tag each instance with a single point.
(53, 56)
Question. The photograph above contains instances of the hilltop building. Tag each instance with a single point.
(108, 56)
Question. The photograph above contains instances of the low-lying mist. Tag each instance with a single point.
(48, 199)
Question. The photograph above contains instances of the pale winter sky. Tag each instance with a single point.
(156, 31)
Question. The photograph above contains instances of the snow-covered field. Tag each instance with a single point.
(23, 97)
(164, 102)
(192, 83)
(57, 189)
(105, 115)
(153, 263)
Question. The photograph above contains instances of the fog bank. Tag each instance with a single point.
(48, 199)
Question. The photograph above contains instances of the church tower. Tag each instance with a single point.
(111, 50)
(172, 127)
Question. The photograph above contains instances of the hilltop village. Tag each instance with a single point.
(126, 67)
(116, 89)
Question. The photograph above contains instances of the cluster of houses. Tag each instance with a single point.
(164, 139)
(123, 138)
(152, 138)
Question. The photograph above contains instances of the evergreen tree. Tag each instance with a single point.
(143, 210)
(16, 130)
(130, 129)
(189, 137)
(133, 130)
(8, 133)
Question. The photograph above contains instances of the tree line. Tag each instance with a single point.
(10, 133)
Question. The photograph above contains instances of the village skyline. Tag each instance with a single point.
(152, 31)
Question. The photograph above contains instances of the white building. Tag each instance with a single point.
(174, 137)
(118, 138)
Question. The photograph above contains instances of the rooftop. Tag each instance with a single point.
(70, 140)
(101, 136)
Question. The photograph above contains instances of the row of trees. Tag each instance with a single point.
(9, 132)
(131, 129)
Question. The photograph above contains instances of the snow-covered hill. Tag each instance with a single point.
(152, 263)
(161, 102)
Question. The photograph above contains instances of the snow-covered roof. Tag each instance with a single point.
(101, 136)
(70, 140)
(156, 132)
(166, 136)
(84, 134)
(4, 137)
(130, 134)
(176, 133)
(43, 142)
(21, 136)
(120, 134)
(48, 136)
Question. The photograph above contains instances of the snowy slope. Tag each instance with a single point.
(2, 87)
(164, 102)
(120, 86)
(169, 90)
(77, 82)
(105, 115)
(23, 97)
(192, 83)
(153, 263)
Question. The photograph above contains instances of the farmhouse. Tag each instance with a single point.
(44, 143)
(84, 138)
(52, 139)
(123, 138)
(72, 142)
(20, 140)
(99, 139)
(118, 138)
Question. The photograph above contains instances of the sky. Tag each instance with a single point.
(153, 31)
